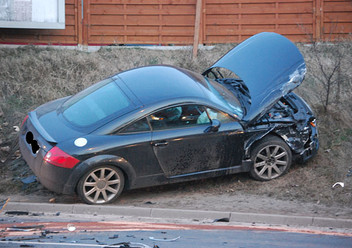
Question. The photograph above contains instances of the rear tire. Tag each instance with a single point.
(101, 185)
(271, 158)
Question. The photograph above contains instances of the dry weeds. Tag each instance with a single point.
(31, 76)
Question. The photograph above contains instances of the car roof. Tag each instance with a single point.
(151, 84)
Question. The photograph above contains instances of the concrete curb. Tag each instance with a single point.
(234, 217)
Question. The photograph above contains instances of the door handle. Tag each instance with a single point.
(162, 143)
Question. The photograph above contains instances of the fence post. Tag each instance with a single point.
(85, 21)
(318, 20)
(197, 28)
(79, 20)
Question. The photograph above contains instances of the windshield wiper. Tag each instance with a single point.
(238, 88)
(236, 84)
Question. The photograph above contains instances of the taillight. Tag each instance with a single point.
(24, 120)
(60, 158)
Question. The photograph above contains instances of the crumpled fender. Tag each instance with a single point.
(248, 144)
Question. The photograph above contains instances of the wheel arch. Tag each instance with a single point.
(251, 143)
(119, 162)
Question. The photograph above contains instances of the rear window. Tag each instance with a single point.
(95, 104)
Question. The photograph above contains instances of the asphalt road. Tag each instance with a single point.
(55, 225)
(60, 230)
(179, 237)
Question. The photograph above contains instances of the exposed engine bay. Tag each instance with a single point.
(292, 120)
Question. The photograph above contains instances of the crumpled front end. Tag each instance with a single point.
(302, 136)
(292, 119)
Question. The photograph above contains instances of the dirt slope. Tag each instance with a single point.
(31, 76)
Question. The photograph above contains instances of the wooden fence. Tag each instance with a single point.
(115, 22)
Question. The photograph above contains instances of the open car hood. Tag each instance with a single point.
(270, 66)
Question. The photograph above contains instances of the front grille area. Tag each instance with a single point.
(32, 142)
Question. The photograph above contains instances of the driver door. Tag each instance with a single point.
(185, 143)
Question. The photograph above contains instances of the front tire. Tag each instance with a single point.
(271, 158)
(101, 185)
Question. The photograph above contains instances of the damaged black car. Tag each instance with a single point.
(163, 124)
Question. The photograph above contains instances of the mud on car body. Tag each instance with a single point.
(163, 124)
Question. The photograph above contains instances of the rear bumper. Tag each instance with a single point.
(51, 177)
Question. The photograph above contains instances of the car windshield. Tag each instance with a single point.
(224, 97)
(95, 103)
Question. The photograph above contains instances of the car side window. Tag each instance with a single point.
(178, 117)
(137, 126)
(216, 114)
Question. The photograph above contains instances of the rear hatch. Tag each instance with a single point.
(40, 132)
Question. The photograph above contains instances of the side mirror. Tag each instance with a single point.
(215, 125)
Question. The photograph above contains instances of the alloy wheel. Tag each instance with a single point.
(102, 185)
(271, 162)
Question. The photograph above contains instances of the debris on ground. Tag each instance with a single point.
(24, 238)
(349, 172)
(338, 183)
(3, 204)
(115, 236)
(100, 243)
(128, 245)
(17, 212)
(88, 239)
(71, 227)
(29, 179)
(165, 239)
(25, 228)
(37, 214)
(222, 220)
(46, 232)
